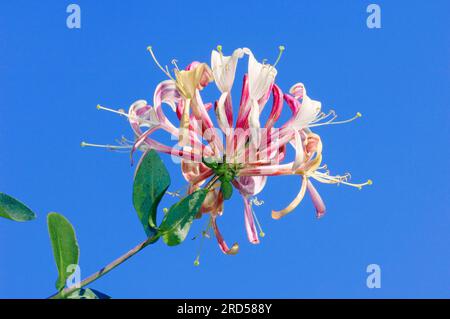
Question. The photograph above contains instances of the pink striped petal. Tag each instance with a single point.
(277, 106)
(297, 90)
(250, 185)
(244, 108)
(317, 200)
(250, 226)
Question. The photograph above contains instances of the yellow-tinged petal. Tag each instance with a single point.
(196, 78)
(233, 250)
(294, 203)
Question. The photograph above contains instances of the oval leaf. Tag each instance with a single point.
(12, 209)
(64, 244)
(175, 225)
(150, 184)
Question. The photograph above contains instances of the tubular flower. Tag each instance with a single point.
(239, 154)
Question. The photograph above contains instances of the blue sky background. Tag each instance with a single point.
(51, 79)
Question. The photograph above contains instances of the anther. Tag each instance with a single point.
(197, 261)
(174, 62)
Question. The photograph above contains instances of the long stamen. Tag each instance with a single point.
(120, 112)
(326, 178)
(281, 48)
(258, 203)
(123, 141)
(322, 116)
(205, 233)
(166, 72)
(331, 121)
(110, 147)
(174, 62)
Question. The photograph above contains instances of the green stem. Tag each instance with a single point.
(104, 270)
(117, 262)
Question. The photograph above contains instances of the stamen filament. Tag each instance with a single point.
(111, 147)
(165, 71)
(204, 233)
(261, 232)
(281, 48)
(325, 178)
(174, 62)
(330, 122)
(120, 112)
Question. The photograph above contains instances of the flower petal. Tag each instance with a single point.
(221, 114)
(224, 68)
(261, 76)
(222, 244)
(299, 152)
(307, 113)
(317, 200)
(277, 106)
(250, 185)
(294, 203)
(244, 106)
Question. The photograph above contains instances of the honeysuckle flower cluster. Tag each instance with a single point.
(241, 152)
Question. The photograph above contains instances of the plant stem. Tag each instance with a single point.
(104, 270)
(117, 262)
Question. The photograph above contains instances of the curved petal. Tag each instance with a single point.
(277, 106)
(224, 68)
(299, 153)
(192, 170)
(294, 203)
(222, 244)
(317, 200)
(142, 114)
(307, 112)
(221, 114)
(244, 107)
(297, 90)
(261, 76)
(250, 185)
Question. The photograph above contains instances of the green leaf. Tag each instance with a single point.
(64, 244)
(175, 225)
(150, 184)
(87, 294)
(12, 209)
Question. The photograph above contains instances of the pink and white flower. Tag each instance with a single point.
(251, 152)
